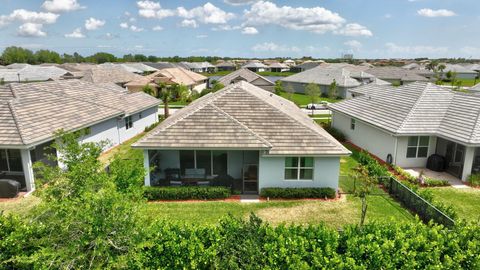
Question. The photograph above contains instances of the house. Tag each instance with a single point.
(30, 73)
(242, 136)
(109, 74)
(160, 65)
(248, 76)
(278, 67)
(306, 66)
(194, 81)
(396, 75)
(289, 62)
(460, 71)
(200, 67)
(406, 125)
(475, 88)
(31, 113)
(255, 66)
(226, 66)
(344, 75)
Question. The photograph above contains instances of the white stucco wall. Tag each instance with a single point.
(272, 169)
(365, 136)
(149, 116)
(403, 161)
(104, 131)
(300, 88)
(198, 88)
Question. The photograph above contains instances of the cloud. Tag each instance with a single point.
(353, 30)
(395, 49)
(77, 33)
(31, 30)
(387, 16)
(273, 47)
(57, 6)
(315, 19)
(226, 27)
(239, 2)
(430, 13)
(353, 44)
(471, 51)
(153, 10)
(26, 16)
(189, 23)
(208, 14)
(124, 25)
(132, 27)
(93, 24)
(249, 30)
(157, 28)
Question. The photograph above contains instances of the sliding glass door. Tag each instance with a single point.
(214, 162)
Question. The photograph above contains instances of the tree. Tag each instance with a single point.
(278, 87)
(313, 92)
(216, 85)
(17, 55)
(332, 90)
(46, 56)
(169, 92)
(101, 58)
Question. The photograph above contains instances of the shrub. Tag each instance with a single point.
(150, 127)
(186, 193)
(298, 193)
(474, 179)
(430, 182)
(337, 134)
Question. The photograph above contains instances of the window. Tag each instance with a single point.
(417, 147)
(140, 116)
(352, 124)
(10, 160)
(298, 168)
(128, 122)
(214, 162)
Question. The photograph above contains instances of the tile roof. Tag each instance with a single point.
(245, 74)
(32, 112)
(395, 73)
(109, 74)
(160, 65)
(418, 108)
(475, 87)
(243, 116)
(32, 73)
(254, 65)
(458, 69)
(175, 75)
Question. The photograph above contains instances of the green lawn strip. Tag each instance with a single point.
(466, 202)
(19, 206)
(278, 74)
(465, 82)
(124, 150)
(302, 100)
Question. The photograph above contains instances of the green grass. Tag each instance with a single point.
(279, 74)
(466, 202)
(218, 73)
(20, 206)
(302, 100)
(124, 150)
(465, 82)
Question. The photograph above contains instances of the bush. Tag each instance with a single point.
(298, 193)
(474, 179)
(150, 127)
(186, 193)
(373, 167)
(430, 182)
(337, 134)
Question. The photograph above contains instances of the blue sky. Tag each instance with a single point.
(246, 28)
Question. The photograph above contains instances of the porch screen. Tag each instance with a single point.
(214, 162)
(10, 160)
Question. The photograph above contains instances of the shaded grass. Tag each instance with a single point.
(124, 150)
(466, 202)
(20, 206)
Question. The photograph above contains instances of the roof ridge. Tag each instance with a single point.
(413, 107)
(242, 125)
(15, 119)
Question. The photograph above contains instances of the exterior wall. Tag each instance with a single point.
(365, 136)
(263, 84)
(198, 88)
(271, 173)
(105, 131)
(401, 158)
(300, 88)
(149, 117)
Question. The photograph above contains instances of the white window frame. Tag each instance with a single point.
(418, 146)
(299, 168)
(128, 120)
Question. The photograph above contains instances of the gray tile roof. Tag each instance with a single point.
(161, 65)
(395, 73)
(31, 73)
(245, 74)
(476, 87)
(32, 112)
(418, 108)
(243, 116)
(458, 69)
(254, 65)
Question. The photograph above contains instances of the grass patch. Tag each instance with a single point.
(218, 73)
(302, 100)
(125, 150)
(20, 206)
(466, 202)
(464, 82)
(278, 74)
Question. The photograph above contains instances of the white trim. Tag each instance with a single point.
(299, 168)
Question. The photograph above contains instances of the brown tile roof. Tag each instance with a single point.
(109, 75)
(174, 75)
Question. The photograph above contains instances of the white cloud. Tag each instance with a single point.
(249, 30)
(239, 2)
(226, 27)
(157, 28)
(93, 24)
(31, 30)
(61, 5)
(273, 47)
(315, 19)
(397, 50)
(151, 9)
(207, 13)
(189, 23)
(132, 27)
(77, 33)
(353, 30)
(430, 13)
(353, 44)
(26, 16)
(124, 25)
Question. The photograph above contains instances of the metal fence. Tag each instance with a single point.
(417, 204)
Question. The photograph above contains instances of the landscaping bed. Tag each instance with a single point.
(298, 193)
(186, 193)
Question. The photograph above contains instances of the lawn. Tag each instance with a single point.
(465, 82)
(466, 202)
(278, 74)
(302, 100)
(124, 150)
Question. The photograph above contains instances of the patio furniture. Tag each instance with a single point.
(9, 188)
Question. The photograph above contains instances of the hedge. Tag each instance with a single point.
(298, 193)
(186, 193)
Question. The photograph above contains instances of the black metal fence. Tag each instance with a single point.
(416, 203)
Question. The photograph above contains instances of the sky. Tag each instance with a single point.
(246, 28)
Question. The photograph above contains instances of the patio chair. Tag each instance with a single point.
(9, 188)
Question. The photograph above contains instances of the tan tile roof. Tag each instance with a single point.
(109, 74)
(34, 111)
(243, 116)
(175, 75)
(246, 75)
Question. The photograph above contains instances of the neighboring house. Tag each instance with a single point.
(192, 80)
(278, 67)
(200, 67)
(160, 65)
(245, 136)
(18, 65)
(289, 62)
(396, 75)
(346, 77)
(461, 71)
(475, 88)
(306, 66)
(226, 66)
(412, 66)
(248, 76)
(31, 113)
(30, 73)
(255, 66)
(405, 125)
(113, 74)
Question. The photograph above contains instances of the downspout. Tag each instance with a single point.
(395, 151)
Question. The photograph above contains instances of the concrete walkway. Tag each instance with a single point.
(249, 198)
(454, 181)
